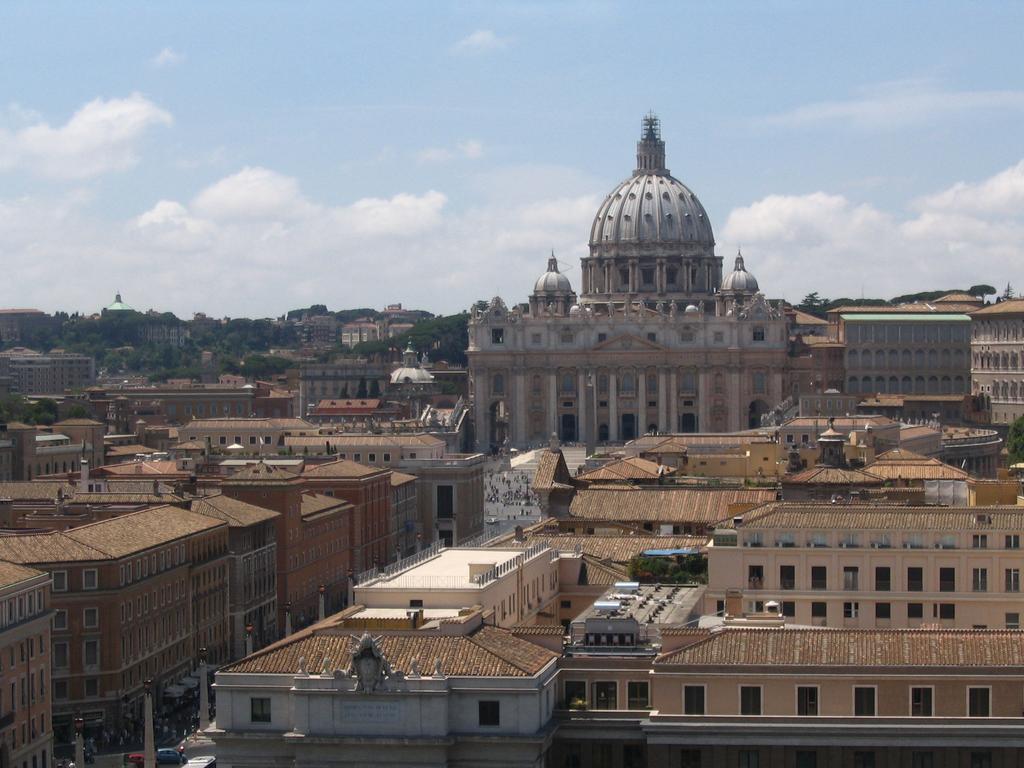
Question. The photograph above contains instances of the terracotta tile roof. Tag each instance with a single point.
(317, 503)
(261, 473)
(958, 297)
(139, 531)
(78, 423)
(899, 464)
(552, 472)
(129, 449)
(400, 478)
(660, 505)
(236, 513)
(832, 476)
(35, 490)
(340, 468)
(871, 517)
(841, 423)
(145, 468)
(549, 630)
(51, 547)
(937, 307)
(369, 441)
(190, 445)
(12, 573)
(129, 493)
(229, 422)
(633, 468)
(955, 648)
(1009, 307)
(487, 652)
(618, 549)
(805, 318)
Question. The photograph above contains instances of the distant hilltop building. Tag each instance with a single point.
(117, 305)
(656, 338)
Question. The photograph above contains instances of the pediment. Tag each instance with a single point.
(627, 342)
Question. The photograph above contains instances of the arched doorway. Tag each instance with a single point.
(567, 433)
(757, 409)
(628, 431)
(687, 422)
(498, 424)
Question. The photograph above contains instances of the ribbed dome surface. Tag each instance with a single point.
(739, 279)
(652, 208)
(552, 281)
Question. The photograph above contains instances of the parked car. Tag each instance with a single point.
(169, 756)
(135, 759)
(202, 761)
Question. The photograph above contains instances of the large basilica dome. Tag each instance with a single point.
(651, 238)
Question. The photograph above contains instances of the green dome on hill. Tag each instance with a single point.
(118, 305)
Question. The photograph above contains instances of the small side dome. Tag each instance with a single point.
(552, 281)
(574, 310)
(739, 280)
(691, 309)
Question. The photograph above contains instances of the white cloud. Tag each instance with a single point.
(254, 193)
(957, 237)
(471, 149)
(480, 41)
(102, 136)
(168, 57)
(898, 104)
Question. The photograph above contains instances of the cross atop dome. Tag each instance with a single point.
(650, 150)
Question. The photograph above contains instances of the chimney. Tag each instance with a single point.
(83, 482)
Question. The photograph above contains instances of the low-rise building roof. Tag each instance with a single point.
(869, 648)
(552, 472)
(314, 504)
(869, 517)
(703, 506)
(832, 476)
(632, 468)
(617, 549)
(899, 464)
(1009, 308)
(342, 468)
(400, 478)
(12, 573)
(487, 652)
(236, 513)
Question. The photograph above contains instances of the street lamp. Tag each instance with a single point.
(79, 740)
(149, 744)
(204, 695)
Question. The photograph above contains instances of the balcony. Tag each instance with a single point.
(755, 583)
(787, 583)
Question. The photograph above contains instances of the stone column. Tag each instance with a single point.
(662, 402)
(552, 404)
(149, 744)
(483, 426)
(673, 401)
(582, 408)
(519, 437)
(204, 692)
(613, 408)
(641, 400)
(705, 396)
(321, 606)
(79, 741)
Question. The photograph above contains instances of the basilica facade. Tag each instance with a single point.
(656, 339)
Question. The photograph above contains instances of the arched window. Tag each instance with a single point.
(894, 359)
(880, 359)
(852, 358)
(853, 385)
(907, 360)
(919, 358)
(906, 385)
(919, 385)
(894, 385)
(945, 385)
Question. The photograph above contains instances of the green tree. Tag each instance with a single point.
(982, 290)
(812, 303)
(1015, 441)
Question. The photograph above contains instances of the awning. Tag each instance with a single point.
(669, 552)
(174, 691)
(190, 681)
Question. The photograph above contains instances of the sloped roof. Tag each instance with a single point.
(12, 573)
(617, 549)
(633, 468)
(552, 472)
(820, 647)
(870, 517)
(236, 513)
(664, 505)
(400, 478)
(487, 652)
(35, 490)
(832, 476)
(340, 468)
(316, 503)
(1008, 307)
(900, 464)
(261, 472)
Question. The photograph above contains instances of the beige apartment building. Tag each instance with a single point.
(871, 566)
(245, 436)
(997, 359)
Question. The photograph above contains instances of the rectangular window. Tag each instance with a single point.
(750, 700)
(60, 620)
(915, 610)
(1013, 621)
(789, 608)
(497, 336)
(259, 710)
(981, 760)
(605, 695)
(807, 700)
(1012, 579)
(864, 701)
(1012, 541)
(883, 578)
(749, 758)
(922, 760)
(851, 610)
(690, 758)
(91, 653)
(863, 759)
(851, 577)
(638, 695)
(947, 611)
(806, 759)
(489, 713)
(947, 579)
(819, 610)
(91, 618)
(693, 699)
(60, 655)
(921, 702)
(575, 694)
(92, 687)
(883, 611)
(819, 577)
(979, 541)
(60, 689)
(915, 580)
(978, 702)
(979, 579)
(60, 581)
(89, 580)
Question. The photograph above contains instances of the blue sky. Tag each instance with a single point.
(247, 158)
